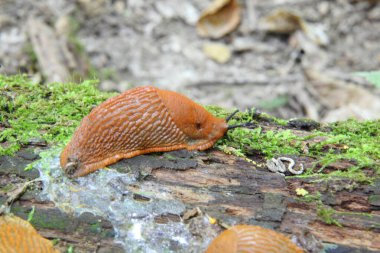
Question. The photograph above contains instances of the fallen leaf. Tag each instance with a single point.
(316, 33)
(280, 21)
(343, 97)
(286, 22)
(219, 19)
(217, 52)
(301, 192)
(212, 220)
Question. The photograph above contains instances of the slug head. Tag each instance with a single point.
(68, 164)
(200, 126)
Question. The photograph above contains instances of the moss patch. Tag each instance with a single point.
(30, 111)
(353, 142)
(311, 198)
(45, 218)
(326, 214)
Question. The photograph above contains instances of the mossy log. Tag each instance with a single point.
(337, 199)
(228, 188)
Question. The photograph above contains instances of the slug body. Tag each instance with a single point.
(139, 121)
(19, 236)
(252, 239)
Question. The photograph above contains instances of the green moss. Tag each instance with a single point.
(244, 141)
(7, 188)
(326, 215)
(96, 228)
(332, 217)
(218, 111)
(311, 198)
(353, 141)
(70, 249)
(357, 142)
(50, 224)
(48, 112)
(42, 219)
(268, 143)
(355, 214)
(170, 157)
(31, 214)
(374, 199)
(278, 121)
(55, 241)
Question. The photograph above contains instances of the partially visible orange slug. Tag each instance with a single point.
(252, 239)
(139, 121)
(18, 236)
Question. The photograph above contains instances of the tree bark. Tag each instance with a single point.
(228, 188)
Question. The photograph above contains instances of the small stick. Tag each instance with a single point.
(15, 195)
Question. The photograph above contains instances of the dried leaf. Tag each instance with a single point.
(343, 97)
(316, 33)
(219, 19)
(212, 220)
(217, 52)
(281, 21)
(285, 22)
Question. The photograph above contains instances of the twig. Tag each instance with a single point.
(15, 195)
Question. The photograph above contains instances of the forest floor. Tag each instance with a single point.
(305, 71)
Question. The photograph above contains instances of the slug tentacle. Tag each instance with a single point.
(248, 124)
(229, 117)
(139, 121)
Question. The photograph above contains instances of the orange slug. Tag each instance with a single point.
(252, 239)
(139, 121)
(18, 236)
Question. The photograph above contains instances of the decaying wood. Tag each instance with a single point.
(225, 187)
(235, 191)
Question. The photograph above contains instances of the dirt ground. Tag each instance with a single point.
(303, 72)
